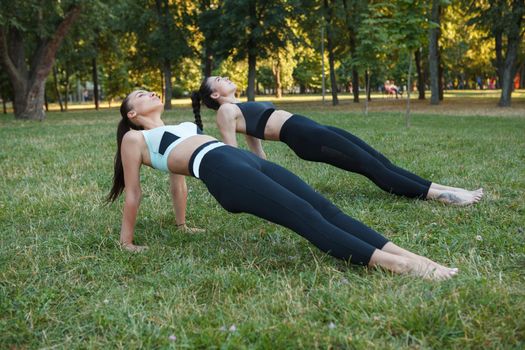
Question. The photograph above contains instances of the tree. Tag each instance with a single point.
(355, 12)
(372, 43)
(307, 73)
(251, 30)
(6, 91)
(159, 37)
(433, 51)
(420, 74)
(407, 30)
(282, 64)
(329, 17)
(37, 29)
(208, 20)
(504, 19)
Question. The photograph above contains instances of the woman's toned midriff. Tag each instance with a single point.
(179, 157)
(275, 123)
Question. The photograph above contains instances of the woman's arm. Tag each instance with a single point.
(255, 146)
(131, 162)
(179, 195)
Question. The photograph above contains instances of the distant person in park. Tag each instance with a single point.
(241, 182)
(480, 82)
(315, 142)
(391, 88)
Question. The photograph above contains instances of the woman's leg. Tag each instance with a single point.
(436, 191)
(312, 141)
(242, 182)
(239, 185)
(335, 216)
(327, 209)
(374, 153)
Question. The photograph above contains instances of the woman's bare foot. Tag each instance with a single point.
(426, 269)
(394, 249)
(133, 248)
(458, 197)
(436, 186)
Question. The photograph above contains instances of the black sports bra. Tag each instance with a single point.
(256, 115)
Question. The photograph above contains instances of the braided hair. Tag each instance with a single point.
(204, 95)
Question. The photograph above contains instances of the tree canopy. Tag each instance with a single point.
(266, 47)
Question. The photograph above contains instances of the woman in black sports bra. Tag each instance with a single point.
(241, 182)
(315, 142)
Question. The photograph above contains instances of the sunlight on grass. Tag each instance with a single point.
(449, 95)
(246, 283)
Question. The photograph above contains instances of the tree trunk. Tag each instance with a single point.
(367, 85)
(28, 84)
(162, 87)
(433, 54)
(57, 90)
(522, 76)
(4, 104)
(206, 54)
(252, 51)
(66, 99)
(509, 71)
(331, 62)
(352, 45)
(167, 83)
(29, 104)
(45, 101)
(329, 47)
(95, 82)
(276, 70)
(498, 64)
(163, 15)
(420, 77)
(355, 85)
(208, 61)
(322, 63)
(441, 78)
(409, 88)
(252, 61)
(513, 43)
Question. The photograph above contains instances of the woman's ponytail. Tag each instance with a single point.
(118, 175)
(196, 104)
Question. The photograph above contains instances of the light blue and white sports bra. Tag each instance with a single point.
(163, 139)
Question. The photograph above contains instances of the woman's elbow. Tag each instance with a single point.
(179, 190)
(133, 195)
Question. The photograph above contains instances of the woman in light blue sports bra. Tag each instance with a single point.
(242, 182)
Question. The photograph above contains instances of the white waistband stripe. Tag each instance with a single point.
(200, 155)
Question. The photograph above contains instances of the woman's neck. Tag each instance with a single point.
(228, 99)
(151, 122)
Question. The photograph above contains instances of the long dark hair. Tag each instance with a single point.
(204, 95)
(123, 127)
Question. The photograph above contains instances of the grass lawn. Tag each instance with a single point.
(247, 283)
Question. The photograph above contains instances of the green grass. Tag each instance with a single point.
(64, 282)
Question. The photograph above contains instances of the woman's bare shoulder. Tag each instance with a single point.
(228, 109)
(133, 136)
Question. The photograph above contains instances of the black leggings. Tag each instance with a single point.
(243, 182)
(327, 144)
